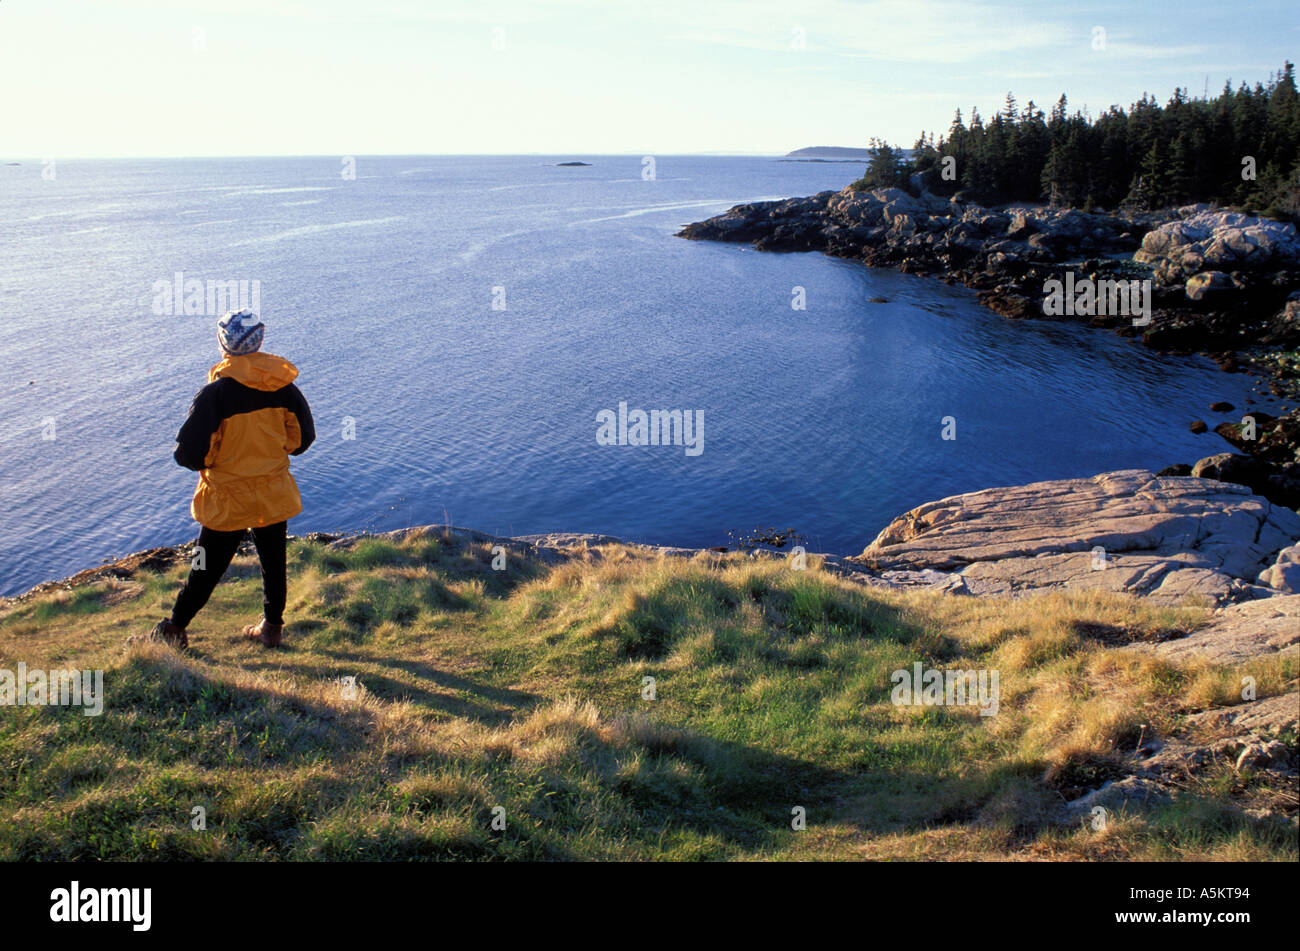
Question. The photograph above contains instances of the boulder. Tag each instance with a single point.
(1021, 226)
(1284, 574)
(1233, 431)
(855, 208)
(1157, 244)
(1276, 483)
(988, 222)
(1219, 240)
(1208, 284)
(1231, 467)
(1070, 225)
(1284, 328)
(900, 224)
(1043, 243)
(1010, 302)
(1005, 261)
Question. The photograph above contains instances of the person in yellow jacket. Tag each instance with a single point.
(241, 430)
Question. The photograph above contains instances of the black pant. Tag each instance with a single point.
(218, 549)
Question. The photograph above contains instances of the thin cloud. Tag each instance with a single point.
(892, 30)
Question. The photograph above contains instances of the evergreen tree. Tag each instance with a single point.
(1184, 151)
(885, 168)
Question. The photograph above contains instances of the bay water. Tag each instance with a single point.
(460, 322)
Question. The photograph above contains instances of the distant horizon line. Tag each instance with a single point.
(9, 160)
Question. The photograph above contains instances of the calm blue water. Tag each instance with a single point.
(381, 290)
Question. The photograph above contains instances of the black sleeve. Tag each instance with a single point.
(306, 424)
(195, 438)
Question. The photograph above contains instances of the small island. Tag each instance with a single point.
(564, 164)
(823, 153)
(832, 154)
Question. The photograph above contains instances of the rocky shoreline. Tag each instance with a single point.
(1164, 538)
(1221, 283)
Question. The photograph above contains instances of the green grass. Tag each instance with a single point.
(518, 694)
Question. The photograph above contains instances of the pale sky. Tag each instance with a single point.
(84, 78)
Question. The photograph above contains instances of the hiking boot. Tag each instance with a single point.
(266, 632)
(168, 633)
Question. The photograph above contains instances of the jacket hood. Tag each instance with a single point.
(261, 371)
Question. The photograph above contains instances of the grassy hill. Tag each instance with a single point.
(522, 689)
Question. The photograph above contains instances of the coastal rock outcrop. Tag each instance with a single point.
(1131, 530)
(1207, 239)
(1238, 632)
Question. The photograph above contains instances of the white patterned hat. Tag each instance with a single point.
(240, 332)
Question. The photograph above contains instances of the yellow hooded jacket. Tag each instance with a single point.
(241, 429)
